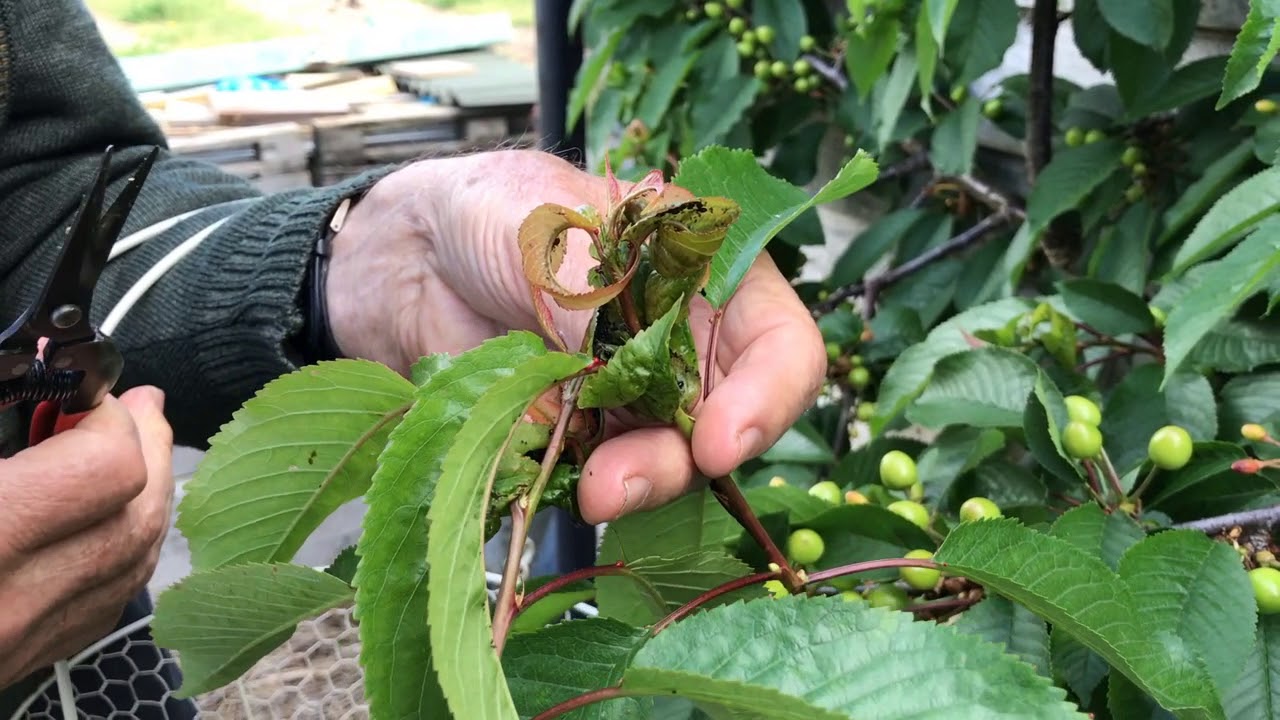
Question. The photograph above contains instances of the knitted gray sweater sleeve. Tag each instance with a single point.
(218, 325)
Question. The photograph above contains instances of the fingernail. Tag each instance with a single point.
(749, 442)
(635, 492)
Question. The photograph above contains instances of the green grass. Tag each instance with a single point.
(163, 25)
(521, 11)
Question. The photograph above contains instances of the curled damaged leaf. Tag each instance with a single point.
(543, 243)
(635, 366)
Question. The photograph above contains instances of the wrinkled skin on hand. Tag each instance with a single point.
(85, 513)
(429, 262)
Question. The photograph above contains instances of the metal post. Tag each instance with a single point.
(559, 56)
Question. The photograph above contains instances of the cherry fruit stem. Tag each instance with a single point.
(709, 366)
(1112, 478)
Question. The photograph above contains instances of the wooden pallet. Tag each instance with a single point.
(351, 144)
(321, 151)
(274, 156)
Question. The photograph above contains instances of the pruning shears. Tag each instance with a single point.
(52, 354)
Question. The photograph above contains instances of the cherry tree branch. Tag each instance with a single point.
(1267, 517)
(525, 507)
(875, 285)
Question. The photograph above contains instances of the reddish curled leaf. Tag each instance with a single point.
(543, 243)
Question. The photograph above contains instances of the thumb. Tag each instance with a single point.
(146, 405)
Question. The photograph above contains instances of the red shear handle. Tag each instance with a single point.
(49, 420)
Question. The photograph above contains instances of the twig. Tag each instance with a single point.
(873, 286)
(1105, 358)
(732, 500)
(842, 424)
(829, 71)
(684, 610)
(945, 604)
(1044, 33)
(568, 579)
(581, 701)
(505, 607)
(1265, 517)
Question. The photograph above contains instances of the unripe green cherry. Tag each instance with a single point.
(855, 360)
(1074, 137)
(1170, 447)
(1130, 156)
(713, 9)
(1094, 136)
(805, 546)
(734, 4)
(808, 43)
(979, 508)
(1081, 440)
(859, 377)
(746, 48)
(748, 36)
(866, 411)
(827, 490)
(779, 69)
(776, 588)
(1082, 409)
(1266, 589)
(898, 470)
(737, 26)
(777, 481)
(765, 34)
(1139, 169)
(853, 497)
(918, 577)
(1134, 193)
(692, 14)
(852, 596)
(916, 492)
(800, 85)
(1266, 106)
(887, 596)
(762, 69)
(801, 67)
(959, 93)
(911, 511)
(992, 108)
(833, 350)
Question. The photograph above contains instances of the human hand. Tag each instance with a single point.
(84, 515)
(428, 262)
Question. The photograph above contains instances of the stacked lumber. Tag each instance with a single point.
(317, 124)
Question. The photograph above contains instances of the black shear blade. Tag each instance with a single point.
(63, 310)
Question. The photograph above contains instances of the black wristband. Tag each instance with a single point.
(319, 342)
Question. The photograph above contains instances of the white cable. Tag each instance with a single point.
(80, 657)
(154, 274)
(133, 240)
(66, 691)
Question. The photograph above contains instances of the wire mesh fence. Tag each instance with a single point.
(314, 675)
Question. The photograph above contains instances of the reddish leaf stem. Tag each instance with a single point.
(568, 579)
(1095, 487)
(685, 610)
(505, 605)
(732, 500)
(713, 341)
(581, 701)
(628, 305)
(870, 565)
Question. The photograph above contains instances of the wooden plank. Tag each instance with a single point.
(366, 45)
(255, 107)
